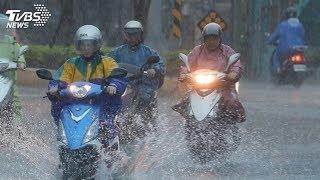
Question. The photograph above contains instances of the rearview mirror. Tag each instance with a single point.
(118, 73)
(233, 59)
(23, 49)
(44, 74)
(184, 59)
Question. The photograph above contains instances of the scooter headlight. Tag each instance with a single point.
(92, 132)
(62, 134)
(79, 92)
(204, 78)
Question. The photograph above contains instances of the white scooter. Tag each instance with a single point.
(7, 85)
(209, 133)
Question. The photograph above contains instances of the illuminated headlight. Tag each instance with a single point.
(204, 78)
(62, 134)
(79, 92)
(92, 132)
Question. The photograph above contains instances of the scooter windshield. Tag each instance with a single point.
(132, 69)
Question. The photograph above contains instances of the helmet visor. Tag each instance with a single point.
(212, 42)
(133, 33)
(210, 37)
(87, 46)
(133, 30)
(133, 36)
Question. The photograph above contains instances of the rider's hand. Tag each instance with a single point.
(227, 79)
(22, 66)
(222, 80)
(53, 90)
(232, 77)
(111, 90)
(183, 70)
(182, 77)
(151, 72)
(183, 73)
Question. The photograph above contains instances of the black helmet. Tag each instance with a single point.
(290, 12)
(212, 29)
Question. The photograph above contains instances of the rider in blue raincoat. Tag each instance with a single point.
(289, 33)
(134, 52)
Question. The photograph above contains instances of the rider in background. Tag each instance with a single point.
(289, 33)
(134, 52)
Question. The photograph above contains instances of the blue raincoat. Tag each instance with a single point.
(288, 33)
(138, 57)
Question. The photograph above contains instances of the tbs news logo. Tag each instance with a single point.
(19, 19)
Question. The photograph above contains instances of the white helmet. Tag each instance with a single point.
(133, 29)
(133, 25)
(90, 33)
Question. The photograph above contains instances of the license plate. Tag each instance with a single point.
(299, 67)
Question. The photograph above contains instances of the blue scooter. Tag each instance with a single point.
(79, 134)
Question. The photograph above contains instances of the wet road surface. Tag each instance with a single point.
(280, 140)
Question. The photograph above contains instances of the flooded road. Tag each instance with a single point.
(280, 140)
